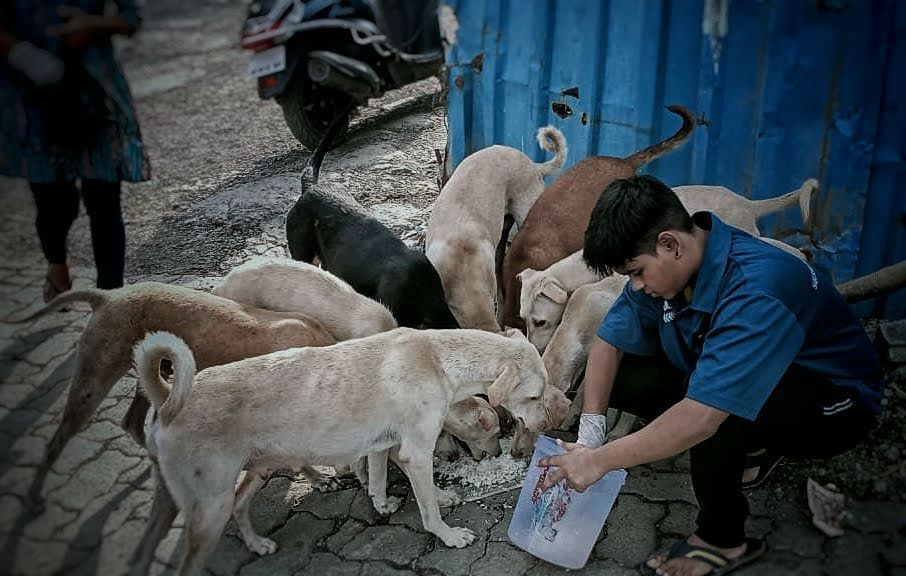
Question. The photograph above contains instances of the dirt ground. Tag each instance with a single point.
(224, 164)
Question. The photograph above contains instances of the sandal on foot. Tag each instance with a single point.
(765, 462)
(720, 564)
(52, 289)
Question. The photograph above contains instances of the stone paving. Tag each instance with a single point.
(98, 495)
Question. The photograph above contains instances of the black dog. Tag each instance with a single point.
(354, 246)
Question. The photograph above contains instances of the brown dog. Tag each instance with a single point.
(218, 330)
(555, 226)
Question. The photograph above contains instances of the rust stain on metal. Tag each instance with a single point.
(477, 63)
(459, 82)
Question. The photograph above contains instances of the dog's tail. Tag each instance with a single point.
(802, 196)
(554, 142)
(147, 356)
(94, 296)
(646, 155)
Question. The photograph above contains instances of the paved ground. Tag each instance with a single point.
(99, 496)
(225, 172)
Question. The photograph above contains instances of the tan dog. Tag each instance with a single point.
(334, 404)
(472, 420)
(738, 210)
(555, 226)
(564, 358)
(476, 423)
(220, 331)
(467, 231)
(544, 293)
(291, 286)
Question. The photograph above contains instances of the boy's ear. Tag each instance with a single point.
(669, 241)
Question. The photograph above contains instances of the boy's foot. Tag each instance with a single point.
(695, 557)
(56, 282)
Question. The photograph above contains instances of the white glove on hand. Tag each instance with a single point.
(592, 430)
(41, 67)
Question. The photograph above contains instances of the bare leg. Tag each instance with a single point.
(419, 467)
(163, 512)
(249, 486)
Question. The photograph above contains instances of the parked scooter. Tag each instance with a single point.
(320, 59)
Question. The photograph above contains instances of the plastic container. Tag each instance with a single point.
(561, 525)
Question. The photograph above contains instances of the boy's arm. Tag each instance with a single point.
(630, 325)
(681, 427)
(600, 372)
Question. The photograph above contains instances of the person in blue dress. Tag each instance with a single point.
(730, 348)
(69, 125)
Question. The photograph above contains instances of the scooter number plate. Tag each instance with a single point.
(268, 61)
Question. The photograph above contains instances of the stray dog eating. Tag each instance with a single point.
(333, 404)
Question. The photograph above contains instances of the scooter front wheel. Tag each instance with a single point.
(309, 110)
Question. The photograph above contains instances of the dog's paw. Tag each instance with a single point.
(326, 484)
(447, 498)
(261, 546)
(388, 506)
(457, 537)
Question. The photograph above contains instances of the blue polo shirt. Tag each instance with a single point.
(755, 311)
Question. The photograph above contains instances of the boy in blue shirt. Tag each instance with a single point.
(726, 345)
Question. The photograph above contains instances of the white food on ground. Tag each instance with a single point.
(487, 473)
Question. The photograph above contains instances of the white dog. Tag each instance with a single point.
(467, 232)
(334, 404)
(290, 286)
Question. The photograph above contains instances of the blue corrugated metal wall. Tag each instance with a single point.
(792, 90)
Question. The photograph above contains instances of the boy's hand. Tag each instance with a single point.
(580, 467)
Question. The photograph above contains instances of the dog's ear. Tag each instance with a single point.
(513, 333)
(553, 290)
(487, 418)
(500, 389)
(526, 275)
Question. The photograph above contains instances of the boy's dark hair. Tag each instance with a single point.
(627, 219)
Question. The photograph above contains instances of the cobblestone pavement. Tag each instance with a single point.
(100, 490)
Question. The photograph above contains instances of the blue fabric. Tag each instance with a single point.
(755, 311)
(26, 149)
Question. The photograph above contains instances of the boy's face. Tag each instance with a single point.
(663, 274)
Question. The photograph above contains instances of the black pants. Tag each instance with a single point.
(805, 417)
(58, 207)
